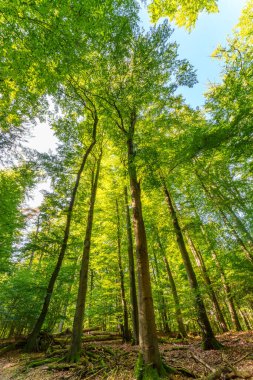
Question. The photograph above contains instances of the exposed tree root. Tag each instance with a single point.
(148, 372)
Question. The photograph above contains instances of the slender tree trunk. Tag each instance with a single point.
(240, 225)
(245, 319)
(161, 298)
(133, 296)
(65, 307)
(249, 318)
(208, 338)
(31, 342)
(91, 293)
(178, 312)
(227, 289)
(247, 252)
(75, 348)
(126, 335)
(147, 328)
(35, 239)
(200, 263)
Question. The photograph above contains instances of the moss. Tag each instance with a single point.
(139, 367)
(148, 372)
(38, 363)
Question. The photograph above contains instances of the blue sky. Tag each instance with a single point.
(197, 46)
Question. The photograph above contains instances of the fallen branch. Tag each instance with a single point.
(201, 361)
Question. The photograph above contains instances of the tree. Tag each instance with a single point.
(146, 71)
(183, 13)
(75, 348)
(14, 185)
(31, 343)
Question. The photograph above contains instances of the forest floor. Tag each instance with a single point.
(113, 360)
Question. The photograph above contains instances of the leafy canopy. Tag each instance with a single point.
(183, 12)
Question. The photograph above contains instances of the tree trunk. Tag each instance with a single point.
(178, 312)
(161, 298)
(200, 263)
(75, 348)
(133, 296)
(35, 240)
(246, 251)
(227, 289)
(31, 342)
(65, 307)
(147, 328)
(245, 319)
(208, 339)
(126, 335)
(91, 294)
(240, 225)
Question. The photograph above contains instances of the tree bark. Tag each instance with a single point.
(147, 328)
(208, 339)
(200, 263)
(133, 295)
(126, 335)
(75, 348)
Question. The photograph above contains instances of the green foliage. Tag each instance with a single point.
(94, 61)
(184, 13)
(13, 185)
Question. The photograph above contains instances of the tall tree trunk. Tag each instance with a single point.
(240, 225)
(178, 312)
(208, 339)
(133, 295)
(65, 306)
(161, 298)
(147, 328)
(31, 342)
(75, 348)
(35, 240)
(245, 319)
(91, 294)
(227, 289)
(126, 335)
(247, 252)
(200, 263)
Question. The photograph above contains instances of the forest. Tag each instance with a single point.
(138, 262)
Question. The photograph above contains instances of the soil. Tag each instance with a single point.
(113, 360)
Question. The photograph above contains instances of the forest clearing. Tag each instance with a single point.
(135, 260)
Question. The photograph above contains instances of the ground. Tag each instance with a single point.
(113, 360)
